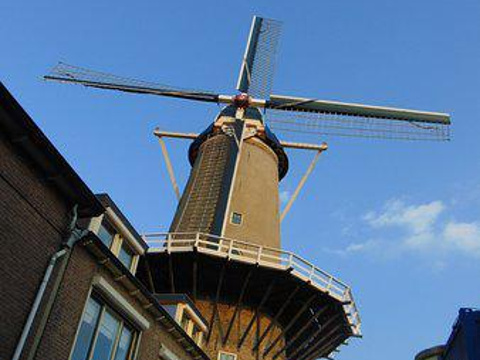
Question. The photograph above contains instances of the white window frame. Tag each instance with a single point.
(232, 216)
(123, 230)
(193, 322)
(122, 235)
(226, 353)
(119, 303)
(120, 306)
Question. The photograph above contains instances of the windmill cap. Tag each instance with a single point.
(269, 139)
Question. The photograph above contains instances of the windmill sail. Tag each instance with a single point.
(73, 74)
(258, 64)
(320, 117)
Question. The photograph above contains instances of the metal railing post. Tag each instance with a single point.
(346, 294)
(329, 284)
(290, 261)
(311, 273)
(219, 245)
(197, 240)
(169, 238)
(230, 247)
(259, 254)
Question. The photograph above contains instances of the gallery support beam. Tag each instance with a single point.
(285, 144)
(239, 303)
(301, 183)
(171, 174)
(276, 317)
(323, 342)
(257, 312)
(300, 332)
(290, 324)
(311, 339)
(215, 303)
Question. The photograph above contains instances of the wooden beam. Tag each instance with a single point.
(177, 135)
(195, 276)
(239, 301)
(215, 303)
(219, 325)
(327, 348)
(148, 270)
(210, 324)
(257, 312)
(277, 316)
(171, 274)
(321, 343)
(321, 350)
(171, 174)
(321, 329)
(257, 334)
(300, 184)
(290, 324)
(299, 333)
(285, 144)
(304, 146)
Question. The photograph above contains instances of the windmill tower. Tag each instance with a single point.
(223, 246)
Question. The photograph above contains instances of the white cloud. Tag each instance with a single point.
(419, 228)
(418, 221)
(417, 218)
(354, 248)
(463, 236)
(359, 247)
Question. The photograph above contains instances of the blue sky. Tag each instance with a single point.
(399, 221)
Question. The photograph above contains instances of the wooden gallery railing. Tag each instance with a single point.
(248, 252)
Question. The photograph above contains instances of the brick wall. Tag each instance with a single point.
(60, 331)
(33, 219)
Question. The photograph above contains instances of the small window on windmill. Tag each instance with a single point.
(222, 355)
(236, 218)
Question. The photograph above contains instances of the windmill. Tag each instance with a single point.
(223, 246)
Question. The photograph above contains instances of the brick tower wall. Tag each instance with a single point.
(207, 204)
(206, 189)
(246, 350)
(255, 196)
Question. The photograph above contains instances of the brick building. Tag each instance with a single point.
(69, 260)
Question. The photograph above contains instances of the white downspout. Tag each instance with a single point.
(75, 234)
(36, 303)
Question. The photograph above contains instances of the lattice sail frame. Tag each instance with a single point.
(63, 72)
(330, 124)
(258, 64)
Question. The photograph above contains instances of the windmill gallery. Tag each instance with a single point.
(217, 285)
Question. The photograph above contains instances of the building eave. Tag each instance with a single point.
(32, 143)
